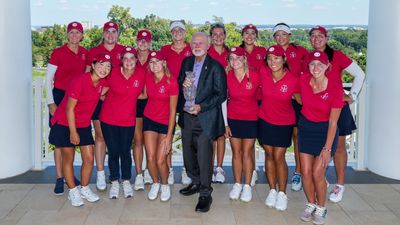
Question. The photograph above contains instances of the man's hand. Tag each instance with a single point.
(195, 109)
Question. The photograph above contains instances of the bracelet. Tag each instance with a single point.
(326, 149)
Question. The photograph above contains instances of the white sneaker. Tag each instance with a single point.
(270, 201)
(114, 190)
(88, 194)
(101, 181)
(153, 193)
(127, 187)
(327, 183)
(75, 196)
(296, 182)
(307, 214)
(165, 193)
(219, 175)
(336, 194)
(234, 194)
(213, 177)
(146, 177)
(171, 179)
(186, 180)
(139, 182)
(246, 195)
(319, 215)
(254, 178)
(281, 201)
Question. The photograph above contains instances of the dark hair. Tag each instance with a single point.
(285, 65)
(219, 25)
(329, 52)
(279, 24)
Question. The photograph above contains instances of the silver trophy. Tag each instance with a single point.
(189, 92)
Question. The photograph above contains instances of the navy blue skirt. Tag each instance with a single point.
(140, 105)
(346, 124)
(274, 135)
(312, 136)
(60, 137)
(150, 125)
(58, 96)
(243, 128)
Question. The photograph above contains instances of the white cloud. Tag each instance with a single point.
(63, 1)
(290, 5)
(213, 3)
(256, 4)
(185, 7)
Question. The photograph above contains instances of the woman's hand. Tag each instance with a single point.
(325, 156)
(52, 108)
(74, 138)
(228, 132)
(166, 145)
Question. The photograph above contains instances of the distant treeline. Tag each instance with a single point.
(352, 42)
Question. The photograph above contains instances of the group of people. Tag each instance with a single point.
(277, 96)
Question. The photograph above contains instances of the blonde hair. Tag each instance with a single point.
(245, 65)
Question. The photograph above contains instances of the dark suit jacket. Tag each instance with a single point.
(211, 93)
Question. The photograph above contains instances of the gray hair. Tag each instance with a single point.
(202, 34)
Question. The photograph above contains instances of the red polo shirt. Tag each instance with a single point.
(242, 102)
(255, 59)
(119, 106)
(115, 54)
(276, 107)
(158, 105)
(174, 59)
(296, 57)
(83, 90)
(339, 62)
(69, 65)
(221, 58)
(317, 107)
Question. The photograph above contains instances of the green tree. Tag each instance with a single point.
(121, 15)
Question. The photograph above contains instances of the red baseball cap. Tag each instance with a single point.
(102, 57)
(128, 50)
(157, 55)
(276, 50)
(109, 25)
(144, 35)
(248, 27)
(237, 51)
(75, 25)
(320, 29)
(318, 55)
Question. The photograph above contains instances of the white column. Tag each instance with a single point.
(16, 120)
(383, 77)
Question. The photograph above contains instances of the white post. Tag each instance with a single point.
(361, 129)
(16, 114)
(383, 81)
(38, 88)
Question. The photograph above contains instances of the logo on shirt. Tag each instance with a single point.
(259, 57)
(136, 83)
(325, 96)
(187, 53)
(100, 89)
(249, 85)
(83, 57)
(292, 55)
(284, 88)
(162, 89)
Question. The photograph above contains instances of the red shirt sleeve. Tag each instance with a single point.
(174, 90)
(75, 89)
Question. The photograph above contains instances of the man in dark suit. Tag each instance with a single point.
(202, 120)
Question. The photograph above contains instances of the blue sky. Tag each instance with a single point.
(49, 12)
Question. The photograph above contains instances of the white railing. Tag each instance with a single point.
(43, 155)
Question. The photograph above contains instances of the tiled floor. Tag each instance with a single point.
(363, 204)
(28, 199)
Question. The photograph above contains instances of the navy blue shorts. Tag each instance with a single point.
(297, 109)
(274, 135)
(150, 125)
(243, 128)
(96, 113)
(140, 105)
(58, 96)
(312, 136)
(59, 136)
(346, 124)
